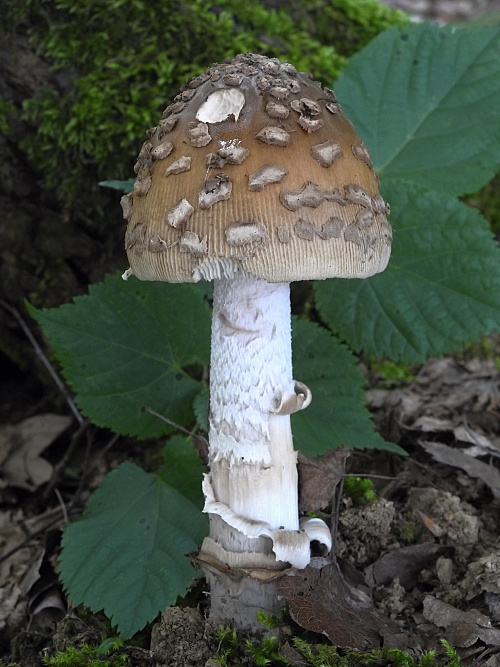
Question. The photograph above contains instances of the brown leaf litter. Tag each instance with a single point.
(420, 563)
(21, 446)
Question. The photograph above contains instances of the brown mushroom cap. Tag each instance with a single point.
(254, 165)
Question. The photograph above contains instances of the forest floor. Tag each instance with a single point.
(419, 563)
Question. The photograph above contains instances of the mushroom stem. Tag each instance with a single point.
(252, 462)
(251, 492)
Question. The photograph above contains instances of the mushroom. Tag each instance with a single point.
(275, 186)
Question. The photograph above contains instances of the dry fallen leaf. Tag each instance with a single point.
(457, 399)
(455, 457)
(28, 582)
(403, 564)
(321, 600)
(21, 446)
(463, 628)
(319, 477)
(16, 568)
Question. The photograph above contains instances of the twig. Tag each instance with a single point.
(59, 467)
(33, 535)
(335, 514)
(370, 475)
(62, 505)
(40, 354)
(168, 421)
(200, 442)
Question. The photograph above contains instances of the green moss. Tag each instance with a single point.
(87, 656)
(407, 532)
(356, 22)
(323, 655)
(118, 73)
(234, 653)
(359, 489)
(390, 373)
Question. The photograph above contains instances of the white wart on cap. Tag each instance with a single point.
(254, 166)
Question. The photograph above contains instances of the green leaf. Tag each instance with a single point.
(440, 290)
(182, 469)
(126, 554)
(200, 407)
(337, 414)
(426, 101)
(127, 347)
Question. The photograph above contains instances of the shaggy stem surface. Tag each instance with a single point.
(253, 467)
(252, 461)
